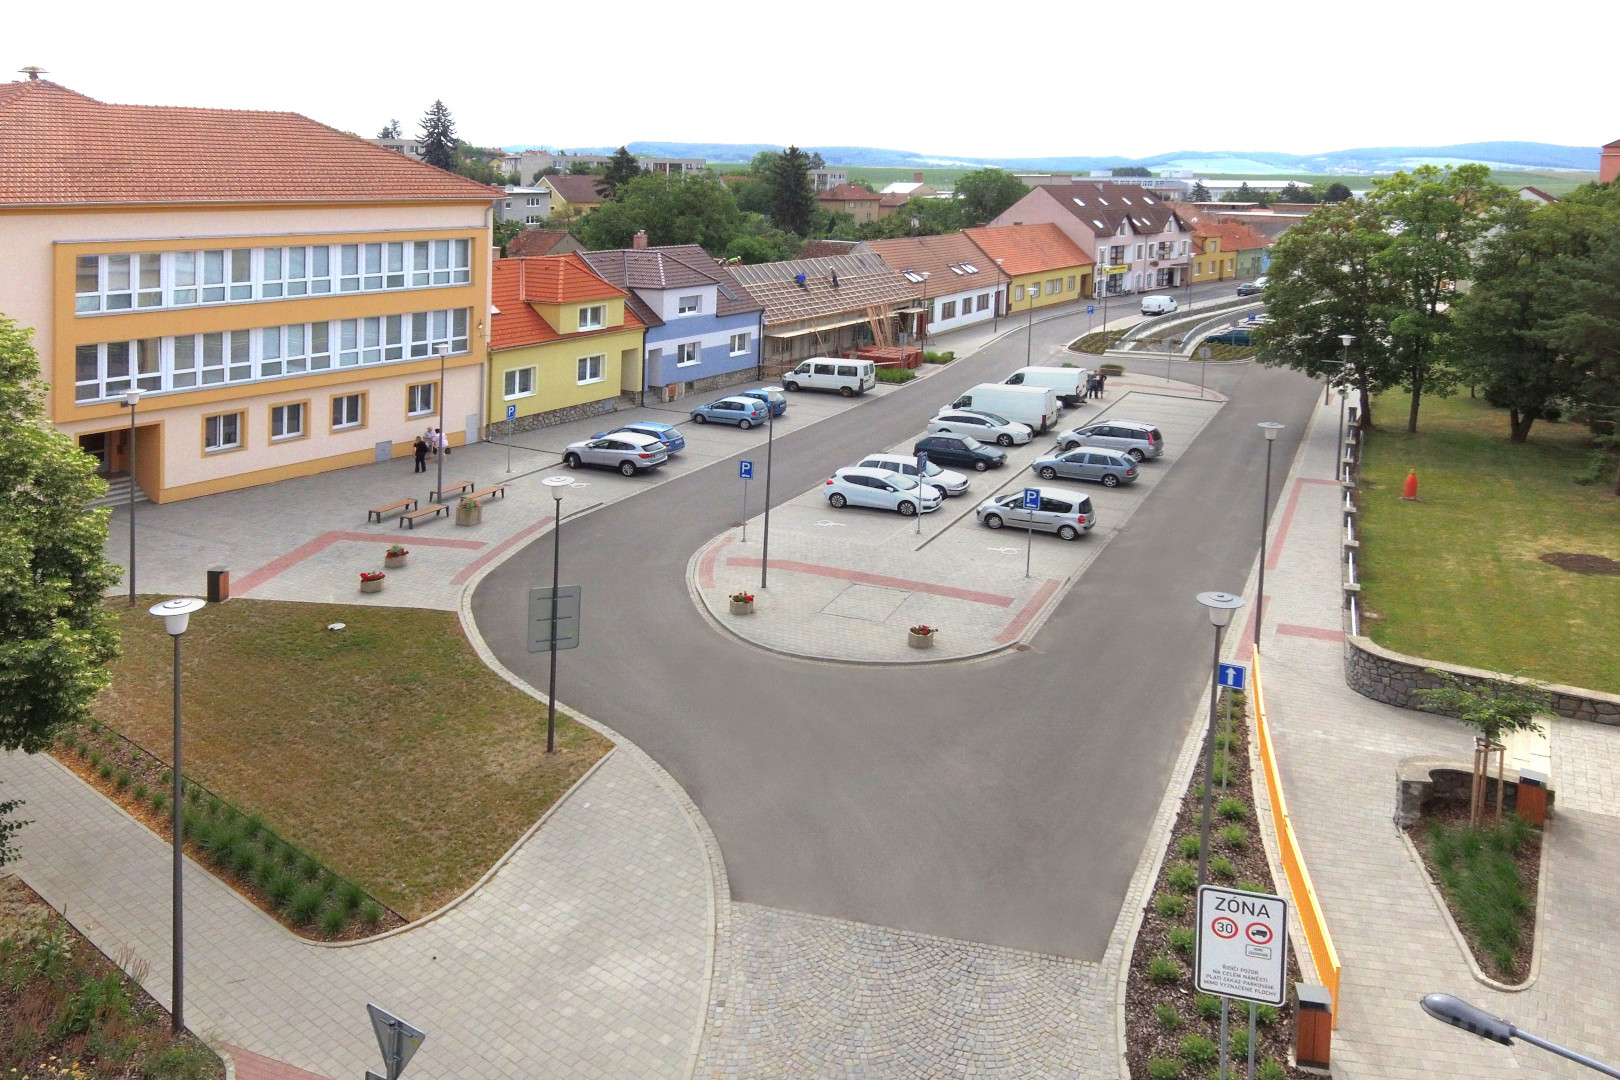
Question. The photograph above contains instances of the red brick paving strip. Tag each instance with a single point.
(251, 1066)
(1274, 556)
(881, 581)
(477, 564)
(1320, 633)
(1021, 620)
(706, 564)
(325, 540)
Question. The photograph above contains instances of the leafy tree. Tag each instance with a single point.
(762, 163)
(439, 137)
(760, 241)
(505, 232)
(816, 161)
(1492, 708)
(919, 217)
(1131, 170)
(1293, 193)
(478, 164)
(793, 195)
(622, 169)
(1436, 219)
(670, 209)
(985, 194)
(390, 130)
(1335, 192)
(582, 168)
(1321, 284)
(55, 639)
(832, 224)
(1200, 193)
(1243, 193)
(10, 826)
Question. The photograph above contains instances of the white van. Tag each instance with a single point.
(1158, 305)
(1069, 382)
(848, 377)
(1036, 406)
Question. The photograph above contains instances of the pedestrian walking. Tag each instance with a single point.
(420, 448)
(1102, 383)
(440, 441)
(1093, 387)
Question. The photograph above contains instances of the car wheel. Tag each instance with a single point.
(1068, 532)
(627, 468)
(745, 424)
(838, 500)
(1135, 453)
(1004, 439)
(571, 460)
(699, 418)
(992, 521)
(1110, 480)
(980, 466)
(790, 386)
(907, 509)
(846, 391)
(1048, 473)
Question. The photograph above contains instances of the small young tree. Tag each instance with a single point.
(1493, 708)
(439, 137)
(1200, 193)
(10, 826)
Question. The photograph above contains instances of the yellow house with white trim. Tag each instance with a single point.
(1042, 266)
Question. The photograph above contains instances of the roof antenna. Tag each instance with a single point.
(32, 72)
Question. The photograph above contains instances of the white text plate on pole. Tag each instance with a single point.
(568, 601)
(1242, 945)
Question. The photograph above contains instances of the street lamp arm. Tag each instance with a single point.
(1476, 1021)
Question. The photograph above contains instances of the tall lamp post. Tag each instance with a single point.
(927, 312)
(770, 446)
(176, 614)
(1476, 1021)
(556, 484)
(1270, 428)
(132, 398)
(442, 348)
(1220, 606)
(1029, 333)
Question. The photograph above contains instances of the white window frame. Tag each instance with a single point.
(688, 353)
(214, 434)
(591, 369)
(414, 392)
(739, 343)
(517, 383)
(359, 412)
(280, 415)
(593, 317)
(689, 305)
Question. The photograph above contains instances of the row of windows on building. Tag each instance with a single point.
(291, 420)
(152, 281)
(947, 308)
(1053, 287)
(688, 353)
(1165, 249)
(190, 361)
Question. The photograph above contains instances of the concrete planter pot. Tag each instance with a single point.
(469, 515)
(371, 586)
(393, 562)
(919, 641)
(742, 607)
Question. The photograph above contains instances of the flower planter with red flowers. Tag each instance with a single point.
(921, 636)
(742, 603)
(372, 581)
(395, 557)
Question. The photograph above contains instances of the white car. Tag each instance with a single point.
(987, 427)
(885, 490)
(949, 483)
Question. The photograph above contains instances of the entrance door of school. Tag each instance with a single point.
(110, 449)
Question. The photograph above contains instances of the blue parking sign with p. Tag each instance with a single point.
(1091, 309)
(1032, 498)
(745, 470)
(1234, 676)
(511, 412)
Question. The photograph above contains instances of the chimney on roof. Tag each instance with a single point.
(639, 241)
(32, 72)
(917, 176)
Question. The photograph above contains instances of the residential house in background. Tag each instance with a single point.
(528, 205)
(827, 179)
(563, 343)
(909, 189)
(1536, 195)
(703, 329)
(957, 283)
(827, 307)
(572, 192)
(1042, 266)
(532, 242)
(1224, 250)
(279, 292)
(411, 148)
(1609, 163)
(529, 165)
(1135, 236)
(852, 199)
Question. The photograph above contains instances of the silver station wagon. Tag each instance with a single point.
(1067, 513)
(1138, 439)
(1108, 467)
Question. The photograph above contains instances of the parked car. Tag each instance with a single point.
(1109, 467)
(1253, 288)
(848, 377)
(1158, 305)
(1136, 438)
(1232, 335)
(960, 450)
(745, 412)
(986, 426)
(949, 483)
(777, 400)
(628, 451)
(1067, 513)
(674, 442)
(881, 488)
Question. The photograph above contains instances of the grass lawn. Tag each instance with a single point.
(388, 750)
(1457, 576)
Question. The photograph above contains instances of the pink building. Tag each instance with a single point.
(1136, 237)
(1609, 166)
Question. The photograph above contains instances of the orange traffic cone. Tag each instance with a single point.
(1410, 491)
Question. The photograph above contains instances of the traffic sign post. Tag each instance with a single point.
(922, 471)
(745, 472)
(1032, 503)
(1242, 952)
(1233, 678)
(398, 1041)
(1204, 353)
(550, 630)
(511, 415)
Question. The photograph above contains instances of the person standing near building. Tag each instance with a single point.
(420, 449)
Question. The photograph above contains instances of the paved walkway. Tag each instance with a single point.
(1338, 753)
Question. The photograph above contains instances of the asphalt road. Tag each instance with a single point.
(1004, 801)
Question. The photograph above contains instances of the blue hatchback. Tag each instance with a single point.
(674, 442)
(745, 412)
(777, 401)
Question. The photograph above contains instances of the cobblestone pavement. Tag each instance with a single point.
(1338, 753)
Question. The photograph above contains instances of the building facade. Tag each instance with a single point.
(828, 306)
(1042, 266)
(529, 205)
(1136, 238)
(277, 321)
(954, 279)
(854, 200)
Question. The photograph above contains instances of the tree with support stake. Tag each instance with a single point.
(1493, 708)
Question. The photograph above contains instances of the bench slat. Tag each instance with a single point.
(409, 518)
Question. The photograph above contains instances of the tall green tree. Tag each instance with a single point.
(1131, 170)
(9, 827)
(1335, 192)
(439, 137)
(55, 639)
(1436, 219)
(390, 130)
(793, 194)
(919, 217)
(1200, 193)
(670, 209)
(1585, 286)
(1322, 284)
(621, 169)
(985, 194)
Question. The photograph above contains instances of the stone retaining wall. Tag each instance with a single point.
(503, 428)
(1394, 678)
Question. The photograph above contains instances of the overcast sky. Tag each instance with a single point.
(949, 79)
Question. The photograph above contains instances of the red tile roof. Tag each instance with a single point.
(531, 242)
(848, 193)
(1233, 235)
(952, 261)
(1029, 249)
(59, 147)
(516, 284)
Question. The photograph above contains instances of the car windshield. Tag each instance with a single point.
(932, 470)
(999, 421)
(971, 443)
(902, 481)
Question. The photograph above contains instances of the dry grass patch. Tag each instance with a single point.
(388, 749)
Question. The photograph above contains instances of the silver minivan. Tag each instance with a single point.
(1067, 513)
(1134, 437)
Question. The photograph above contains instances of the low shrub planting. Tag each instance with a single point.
(1182, 939)
(1189, 846)
(1199, 1051)
(895, 374)
(1233, 809)
(939, 357)
(1167, 1016)
(1221, 869)
(1170, 905)
(1183, 879)
(1164, 971)
(1487, 876)
(1165, 1068)
(1235, 837)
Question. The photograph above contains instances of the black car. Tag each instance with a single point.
(1235, 335)
(1252, 288)
(961, 450)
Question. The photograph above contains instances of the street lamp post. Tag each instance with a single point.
(1476, 1021)
(1270, 428)
(1220, 606)
(770, 446)
(132, 398)
(442, 348)
(176, 614)
(1029, 334)
(556, 484)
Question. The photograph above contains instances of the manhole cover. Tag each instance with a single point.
(1580, 563)
(866, 602)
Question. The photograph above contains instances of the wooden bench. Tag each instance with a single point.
(454, 487)
(388, 508)
(499, 490)
(410, 518)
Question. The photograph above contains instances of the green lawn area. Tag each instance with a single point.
(388, 749)
(1457, 576)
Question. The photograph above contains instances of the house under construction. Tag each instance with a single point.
(829, 306)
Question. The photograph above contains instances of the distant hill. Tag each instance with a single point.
(1365, 160)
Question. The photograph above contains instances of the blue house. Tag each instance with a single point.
(703, 329)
